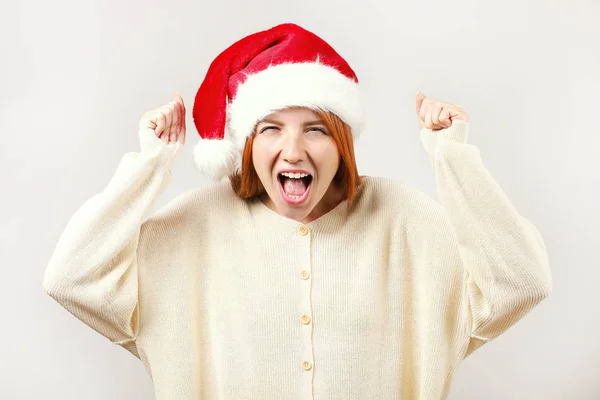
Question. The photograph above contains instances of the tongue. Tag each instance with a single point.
(295, 187)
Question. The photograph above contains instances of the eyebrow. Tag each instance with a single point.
(272, 121)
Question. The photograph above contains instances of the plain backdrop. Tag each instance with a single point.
(76, 76)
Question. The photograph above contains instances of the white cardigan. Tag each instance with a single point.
(223, 298)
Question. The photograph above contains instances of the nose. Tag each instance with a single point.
(293, 149)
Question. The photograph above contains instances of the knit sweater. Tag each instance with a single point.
(223, 298)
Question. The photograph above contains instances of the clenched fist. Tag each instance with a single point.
(438, 115)
(167, 122)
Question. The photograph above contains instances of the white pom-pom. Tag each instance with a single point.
(215, 158)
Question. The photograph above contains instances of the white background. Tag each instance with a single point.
(76, 76)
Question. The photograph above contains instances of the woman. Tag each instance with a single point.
(297, 278)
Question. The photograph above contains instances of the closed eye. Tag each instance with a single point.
(268, 127)
(315, 128)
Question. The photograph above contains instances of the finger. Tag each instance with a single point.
(445, 117)
(182, 129)
(178, 115)
(449, 105)
(435, 117)
(170, 116)
(436, 127)
(456, 113)
(147, 121)
(160, 122)
(423, 110)
(175, 122)
(180, 112)
(427, 116)
(168, 113)
(436, 109)
(419, 99)
(178, 99)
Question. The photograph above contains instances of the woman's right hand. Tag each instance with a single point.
(167, 122)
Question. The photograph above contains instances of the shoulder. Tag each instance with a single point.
(398, 196)
(410, 208)
(197, 205)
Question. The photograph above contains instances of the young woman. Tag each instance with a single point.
(297, 278)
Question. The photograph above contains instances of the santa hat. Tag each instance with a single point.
(267, 71)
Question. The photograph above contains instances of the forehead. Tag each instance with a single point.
(293, 113)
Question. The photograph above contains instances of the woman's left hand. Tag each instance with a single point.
(438, 115)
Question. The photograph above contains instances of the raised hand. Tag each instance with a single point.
(438, 115)
(167, 122)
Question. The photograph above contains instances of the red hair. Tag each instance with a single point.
(246, 184)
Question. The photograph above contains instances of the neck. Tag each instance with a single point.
(333, 196)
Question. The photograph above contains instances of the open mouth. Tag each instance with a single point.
(294, 188)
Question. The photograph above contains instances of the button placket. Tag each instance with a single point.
(306, 316)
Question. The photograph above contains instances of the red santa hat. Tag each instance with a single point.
(271, 70)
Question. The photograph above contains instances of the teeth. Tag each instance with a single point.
(295, 175)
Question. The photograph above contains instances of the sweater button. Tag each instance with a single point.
(307, 365)
(305, 274)
(305, 319)
(303, 230)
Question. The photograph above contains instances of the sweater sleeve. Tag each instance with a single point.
(93, 270)
(505, 262)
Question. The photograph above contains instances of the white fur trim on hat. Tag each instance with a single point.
(216, 158)
(309, 84)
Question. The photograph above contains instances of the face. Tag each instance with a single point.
(296, 159)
